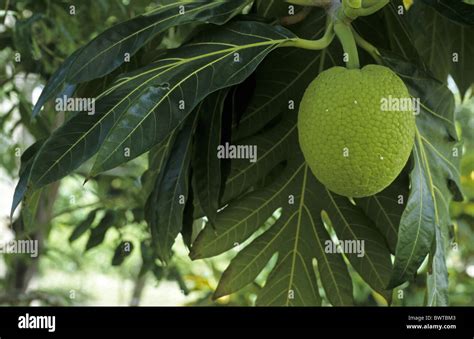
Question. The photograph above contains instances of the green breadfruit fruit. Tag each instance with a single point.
(356, 129)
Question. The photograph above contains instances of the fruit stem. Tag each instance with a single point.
(367, 46)
(344, 33)
(313, 44)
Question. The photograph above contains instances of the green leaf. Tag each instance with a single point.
(187, 231)
(273, 148)
(443, 44)
(283, 77)
(23, 38)
(385, 209)
(463, 70)
(165, 206)
(435, 175)
(39, 127)
(123, 250)
(142, 109)
(240, 220)
(351, 224)
(437, 280)
(227, 56)
(206, 164)
(83, 227)
(56, 84)
(98, 233)
(399, 33)
(458, 11)
(107, 51)
(416, 231)
(29, 210)
(25, 172)
(299, 235)
(272, 8)
(156, 161)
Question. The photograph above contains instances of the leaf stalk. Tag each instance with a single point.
(367, 46)
(319, 44)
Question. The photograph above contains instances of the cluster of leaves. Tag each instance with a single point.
(230, 82)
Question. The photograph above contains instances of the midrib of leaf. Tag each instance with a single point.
(435, 204)
(311, 279)
(271, 42)
(103, 117)
(410, 257)
(170, 67)
(270, 4)
(440, 194)
(425, 107)
(230, 229)
(165, 145)
(177, 4)
(436, 114)
(181, 61)
(347, 225)
(434, 293)
(428, 170)
(268, 244)
(402, 26)
(324, 255)
(385, 214)
(282, 261)
(295, 247)
(450, 164)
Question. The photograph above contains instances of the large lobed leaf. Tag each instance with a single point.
(298, 236)
(143, 108)
(109, 49)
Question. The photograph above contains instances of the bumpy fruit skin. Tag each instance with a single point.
(352, 145)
